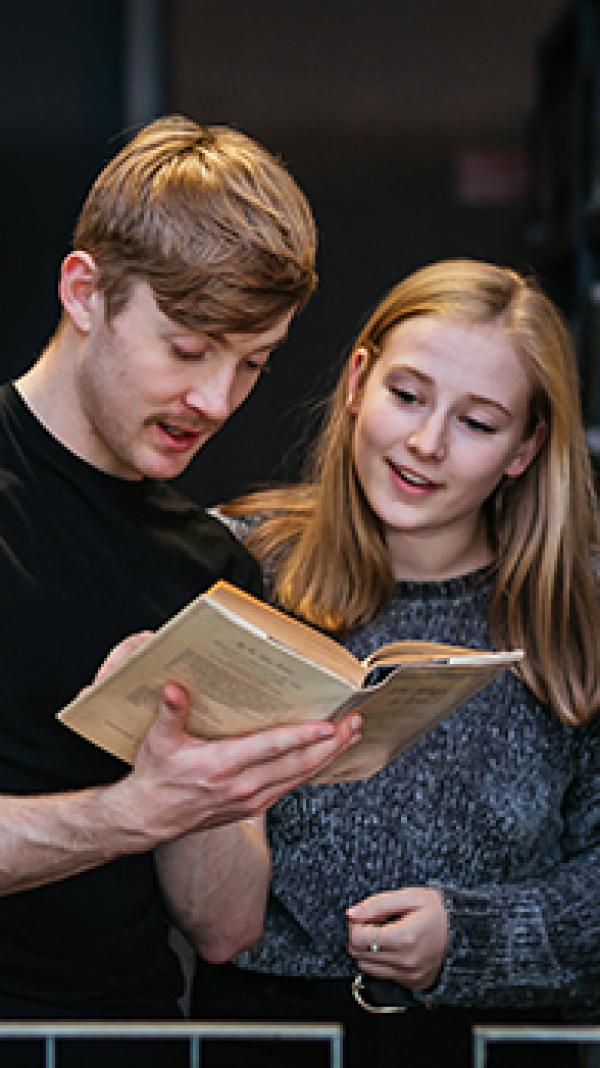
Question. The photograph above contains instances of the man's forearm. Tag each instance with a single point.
(50, 837)
(179, 785)
(216, 884)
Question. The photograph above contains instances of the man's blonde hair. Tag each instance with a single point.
(209, 219)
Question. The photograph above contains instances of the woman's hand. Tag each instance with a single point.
(400, 935)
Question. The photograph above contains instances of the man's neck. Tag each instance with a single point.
(48, 389)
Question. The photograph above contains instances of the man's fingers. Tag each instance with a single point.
(306, 743)
(263, 783)
(293, 768)
(174, 698)
(216, 782)
(121, 652)
(173, 708)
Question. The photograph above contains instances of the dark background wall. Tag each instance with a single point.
(408, 123)
(61, 102)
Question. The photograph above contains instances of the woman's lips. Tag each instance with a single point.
(411, 480)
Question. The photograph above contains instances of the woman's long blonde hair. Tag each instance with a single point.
(326, 545)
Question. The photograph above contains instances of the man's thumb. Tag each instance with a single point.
(173, 705)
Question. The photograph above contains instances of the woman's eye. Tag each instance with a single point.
(477, 424)
(405, 395)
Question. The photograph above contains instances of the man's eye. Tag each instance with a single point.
(477, 424)
(186, 354)
(257, 368)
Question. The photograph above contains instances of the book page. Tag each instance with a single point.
(238, 683)
(241, 678)
(305, 640)
(409, 651)
(410, 702)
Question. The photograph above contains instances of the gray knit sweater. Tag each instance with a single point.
(498, 807)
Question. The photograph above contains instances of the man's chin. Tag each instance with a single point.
(164, 468)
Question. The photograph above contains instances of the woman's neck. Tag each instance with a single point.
(436, 555)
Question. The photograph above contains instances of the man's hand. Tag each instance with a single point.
(216, 881)
(187, 784)
(181, 783)
(122, 652)
(409, 929)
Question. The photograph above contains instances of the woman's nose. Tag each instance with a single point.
(429, 437)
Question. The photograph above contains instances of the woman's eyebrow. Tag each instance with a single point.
(475, 398)
(397, 367)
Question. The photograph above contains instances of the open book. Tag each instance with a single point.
(248, 666)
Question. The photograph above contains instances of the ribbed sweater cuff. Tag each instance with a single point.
(494, 959)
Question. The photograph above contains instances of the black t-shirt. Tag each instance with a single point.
(85, 559)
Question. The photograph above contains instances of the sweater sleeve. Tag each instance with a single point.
(240, 526)
(535, 942)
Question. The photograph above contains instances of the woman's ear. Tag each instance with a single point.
(78, 288)
(356, 374)
(527, 451)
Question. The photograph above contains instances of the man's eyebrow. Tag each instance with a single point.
(278, 341)
(270, 346)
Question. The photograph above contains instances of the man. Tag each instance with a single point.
(192, 253)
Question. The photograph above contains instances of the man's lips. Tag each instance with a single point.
(182, 436)
(179, 431)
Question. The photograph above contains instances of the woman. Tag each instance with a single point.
(450, 499)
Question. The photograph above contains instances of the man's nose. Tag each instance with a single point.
(211, 395)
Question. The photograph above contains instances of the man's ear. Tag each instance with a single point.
(527, 451)
(356, 376)
(78, 288)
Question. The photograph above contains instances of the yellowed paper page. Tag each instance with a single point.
(242, 678)
(405, 707)
(238, 682)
